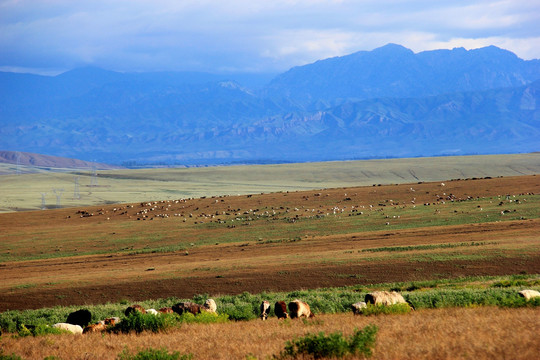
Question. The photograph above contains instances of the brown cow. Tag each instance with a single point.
(133, 309)
(187, 307)
(166, 310)
(280, 309)
(299, 309)
(265, 309)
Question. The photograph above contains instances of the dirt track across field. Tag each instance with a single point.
(509, 247)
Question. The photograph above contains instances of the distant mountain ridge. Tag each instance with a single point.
(388, 102)
(395, 71)
(39, 160)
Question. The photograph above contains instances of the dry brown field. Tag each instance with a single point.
(462, 333)
(268, 242)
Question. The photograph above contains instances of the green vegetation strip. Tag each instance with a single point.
(465, 292)
(428, 247)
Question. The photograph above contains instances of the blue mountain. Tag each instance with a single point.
(380, 103)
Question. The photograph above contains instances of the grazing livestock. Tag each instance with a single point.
(166, 310)
(187, 307)
(210, 306)
(112, 321)
(80, 317)
(74, 329)
(134, 309)
(357, 307)
(265, 309)
(299, 309)
(280, 309)
(384, 298)
(93, 328)
(529, 294)
(152, 311)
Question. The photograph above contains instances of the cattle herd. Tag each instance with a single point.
(78, 322)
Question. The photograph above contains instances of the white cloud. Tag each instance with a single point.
(249, 34)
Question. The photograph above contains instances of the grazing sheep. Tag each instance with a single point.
(280, 309)
(80, 317)
(357, 307)
(185, 307)
(299, 309)
(98, 327)
(133, 309)
(529, 294)
(74, 329)
(210, 305)
(265, 309)
(152, 311)
(384, 298)
(112, 321)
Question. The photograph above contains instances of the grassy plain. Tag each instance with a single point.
(23, 192)
(417, 233)
(270, 242)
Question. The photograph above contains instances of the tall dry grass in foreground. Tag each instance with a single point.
(475, 333)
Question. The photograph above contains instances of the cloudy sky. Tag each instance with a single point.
(51, 36)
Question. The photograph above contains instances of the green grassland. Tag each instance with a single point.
(23, 191)
(168, 235)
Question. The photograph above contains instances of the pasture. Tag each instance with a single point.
(463, 233)
(23, 192)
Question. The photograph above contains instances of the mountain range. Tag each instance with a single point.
(388, 102)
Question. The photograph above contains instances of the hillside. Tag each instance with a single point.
(24, 160)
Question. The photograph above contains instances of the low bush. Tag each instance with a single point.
(203, 318)
(139, 322)
(8, 357)
(386, 310)
(37, 330)
(153, 354)
(334, 345)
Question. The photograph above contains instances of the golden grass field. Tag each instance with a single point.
(283, 240)
(461, 333)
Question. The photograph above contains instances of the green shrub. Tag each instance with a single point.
(240, 311)
(138, 323)
(37, 330)
(203, 318)
(153, 354)
(510, 283)
(334, 345)
(381, 309)
(519, 302)
(8, 357)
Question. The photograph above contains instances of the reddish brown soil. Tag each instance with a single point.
(235, 268)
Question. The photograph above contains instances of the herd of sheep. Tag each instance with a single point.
(78, 321)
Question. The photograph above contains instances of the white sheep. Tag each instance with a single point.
(74, 329)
